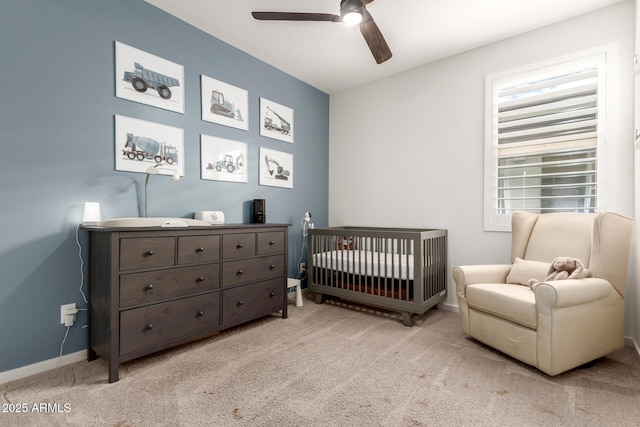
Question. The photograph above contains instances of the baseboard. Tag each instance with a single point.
(630, 342)
(449, 307)
(44, 366)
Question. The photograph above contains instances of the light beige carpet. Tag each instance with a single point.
(334, 364)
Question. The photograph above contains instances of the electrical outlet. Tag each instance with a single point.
(303, 267)
(68, 310)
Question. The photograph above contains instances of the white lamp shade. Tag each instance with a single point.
(91, 213)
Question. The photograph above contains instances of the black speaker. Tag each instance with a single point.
(258, 215)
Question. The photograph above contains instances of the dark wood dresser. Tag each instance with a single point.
(151, 288)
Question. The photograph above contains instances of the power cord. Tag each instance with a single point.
(84, 297)
(66, 333)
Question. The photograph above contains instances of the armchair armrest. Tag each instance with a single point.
(469, 274)
(578, 320)
(572, 292)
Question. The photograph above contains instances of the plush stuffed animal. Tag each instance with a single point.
(562, 268)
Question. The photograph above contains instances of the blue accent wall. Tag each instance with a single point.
(57, 108)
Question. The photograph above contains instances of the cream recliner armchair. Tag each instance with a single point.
(562, 324)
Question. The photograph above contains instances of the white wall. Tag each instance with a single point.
(634, 316)
(408, 150)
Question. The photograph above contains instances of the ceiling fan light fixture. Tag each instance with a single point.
(352, 18)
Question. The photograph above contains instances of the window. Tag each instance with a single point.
(544, 139)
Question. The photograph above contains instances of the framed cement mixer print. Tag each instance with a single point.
(148, 79)
(141, 145)
(276, 121)
(224, 104)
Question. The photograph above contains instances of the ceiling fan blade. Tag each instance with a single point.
(295, 16)
(374, 38)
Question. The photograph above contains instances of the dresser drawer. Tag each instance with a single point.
(140, 288)
(147, 252)
(249, 301)
(198, 249)
(148, 326)
(238, 245)
(270, 243)
(252, 270)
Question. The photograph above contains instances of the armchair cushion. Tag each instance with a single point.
(510, 302)
(523, 270)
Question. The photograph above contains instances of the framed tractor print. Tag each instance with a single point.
(223, 159)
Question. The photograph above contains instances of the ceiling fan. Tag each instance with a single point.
(352, 12)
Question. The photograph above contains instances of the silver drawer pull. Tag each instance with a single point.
(149, 326)
(200, 313)
(273, 294)
(148, 253)
(149, 287)
(240, 245)
(271, 243)
(201, 279)
(200, 250)
(271, 267)
(240, 302)
(240, 273)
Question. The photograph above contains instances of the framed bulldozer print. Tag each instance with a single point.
(224, 104)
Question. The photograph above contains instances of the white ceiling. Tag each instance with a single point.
(333, 57)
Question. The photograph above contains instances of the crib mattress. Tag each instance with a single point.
(367, 263)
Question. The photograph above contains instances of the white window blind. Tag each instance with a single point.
(546, 131)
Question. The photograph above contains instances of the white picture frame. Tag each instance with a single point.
(276, 121)
(139, 145)
(224, 104)
(223, 159)
(275, 168)
(148, 79)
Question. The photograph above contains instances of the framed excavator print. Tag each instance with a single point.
(276, 168)
(223, 159)
(224, 104)
(148, 79)
(276, 121)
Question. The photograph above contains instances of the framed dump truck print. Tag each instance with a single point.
(148, 79)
